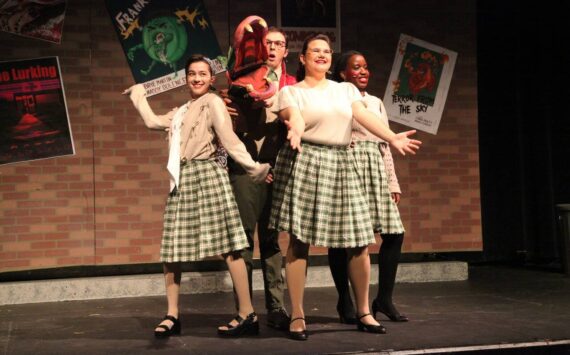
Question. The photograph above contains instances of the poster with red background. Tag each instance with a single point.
(34, 123)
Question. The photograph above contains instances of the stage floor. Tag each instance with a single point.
(521, 310)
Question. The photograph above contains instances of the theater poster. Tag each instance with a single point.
(159, 36)
(419, 82)
(299, 19)
(40, 19)
(34, 123)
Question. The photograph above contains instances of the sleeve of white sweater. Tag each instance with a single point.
(151, 120)
(234, 146)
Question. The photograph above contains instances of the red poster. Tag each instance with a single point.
(41, 19)
(34, 123)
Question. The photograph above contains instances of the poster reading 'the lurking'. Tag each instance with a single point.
(34, 123)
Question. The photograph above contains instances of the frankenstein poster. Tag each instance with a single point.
(34, 120)
(159, 36)
(418, 85)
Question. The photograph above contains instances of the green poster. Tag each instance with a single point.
(158, 37)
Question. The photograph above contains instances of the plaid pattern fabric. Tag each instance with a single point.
(201, 218)
(383, 210)
(317, 197)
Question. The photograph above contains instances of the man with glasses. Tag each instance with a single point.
(263, 134)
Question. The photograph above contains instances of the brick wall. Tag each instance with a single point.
(104, 205)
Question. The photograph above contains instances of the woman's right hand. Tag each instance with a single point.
(403, 144)
(293, 136)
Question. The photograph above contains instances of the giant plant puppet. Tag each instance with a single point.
(248, 76)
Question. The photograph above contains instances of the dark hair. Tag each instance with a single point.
(300, 75)
(279, 30)
(341, 64)
(198, 58)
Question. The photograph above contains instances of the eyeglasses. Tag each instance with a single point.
(278, 44)
(318, 51)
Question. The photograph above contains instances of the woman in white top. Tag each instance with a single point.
(317, 197)
(201, 218)
(378, 177)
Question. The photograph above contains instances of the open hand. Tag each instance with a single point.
(293, 136)
(403, 144)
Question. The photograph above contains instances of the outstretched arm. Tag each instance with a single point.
(137, 94)
(399, 141)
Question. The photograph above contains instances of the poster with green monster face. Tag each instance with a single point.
(158, 37)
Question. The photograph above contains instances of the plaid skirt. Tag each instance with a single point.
(317, 197)
(383, 210)
(201, 218)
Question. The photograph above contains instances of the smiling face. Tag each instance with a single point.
(356, 72)
(199, 78)
(276, 48)
(317, 57)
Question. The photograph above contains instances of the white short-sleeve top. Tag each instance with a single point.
(327, 111)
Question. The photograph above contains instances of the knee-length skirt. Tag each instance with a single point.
(317, 197)
(201, 218)
(372, 173)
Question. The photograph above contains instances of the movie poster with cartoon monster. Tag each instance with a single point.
(418, 85)
(159, 36)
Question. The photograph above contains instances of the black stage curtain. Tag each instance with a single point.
(524, 126)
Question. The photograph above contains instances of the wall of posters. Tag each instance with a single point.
(158, 38)
(34, 123)
(32, 18)
(299, 19)
(419, 82)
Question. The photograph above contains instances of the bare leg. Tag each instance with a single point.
(172, 276)
(359, 273)
(238, 273)
(295, 270)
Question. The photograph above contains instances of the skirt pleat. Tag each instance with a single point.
(317, 197)
(201, 218)
(372, 174)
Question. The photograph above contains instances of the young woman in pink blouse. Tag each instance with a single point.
(378, 177)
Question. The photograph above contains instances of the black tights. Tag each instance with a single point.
(388, 259)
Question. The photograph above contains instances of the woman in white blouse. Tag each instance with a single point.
(317, 197)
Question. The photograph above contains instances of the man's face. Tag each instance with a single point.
(275, 43)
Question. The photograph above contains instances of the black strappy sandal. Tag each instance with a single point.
(168, 331)
(300, 335)
(247, 326)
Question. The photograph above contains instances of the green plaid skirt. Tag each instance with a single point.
(383, 210)
(317, 197)
(201, 218)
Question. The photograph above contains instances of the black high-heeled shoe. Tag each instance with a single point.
(247, 326)
(371, 328)
(346, 316)
(393, 315)
(300, 335)
(168, 331)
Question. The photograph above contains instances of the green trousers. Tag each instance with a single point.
(254, 204)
